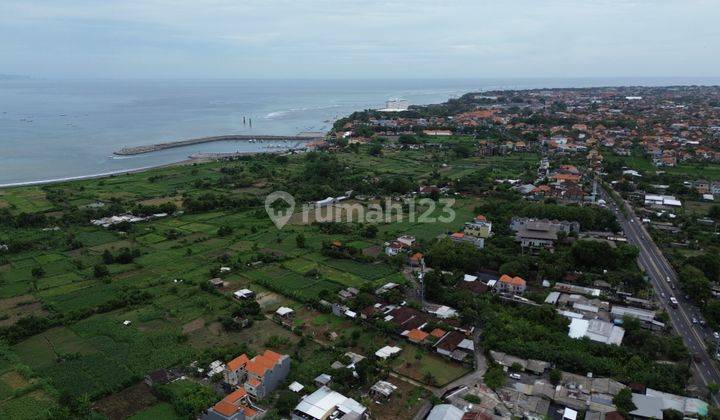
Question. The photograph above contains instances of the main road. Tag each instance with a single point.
(665, 282)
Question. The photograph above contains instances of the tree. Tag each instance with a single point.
(375, 149)
(107, 257)
(713, 388)
(286, 402)
(429, 378)
(100, 271)
(671, 414)
(694, 283)
(494, 377)
(623, 401)
(300, 240)
(714, 212)
(555, 376)
(38, 272)
(369, 231)
(224, 230)
(463, 150)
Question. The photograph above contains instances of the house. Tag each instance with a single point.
(296, 387)
(382, 390)
(455, 345)
(243, 294)
(387, 352)
(476, 287)
(284, 314)
(217, 282)
(443, 133)
(162, 377)
(438, 333)
(445, 412)
(406, 240)
(402, 243)
(596, 330)
(654, 200)
(416, 259)
(478, 228)
(517, 223)
(536, 235)
(349, 293)
(478, 243)
(323, 379)
(618, 312)
(515, 285)
(652, 404)
(394, 248)
(235, 406)
(327, 404)
(260, 375)
(417, 335)
(440, 311)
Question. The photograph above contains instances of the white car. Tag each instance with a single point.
(515, 376)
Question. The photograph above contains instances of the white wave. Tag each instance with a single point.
(280, 114)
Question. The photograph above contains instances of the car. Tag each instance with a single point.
(667, 278)
(662, 295)
(716, 335)
(515, 376)
(694, 320)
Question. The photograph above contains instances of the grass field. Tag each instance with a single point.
(89, 351)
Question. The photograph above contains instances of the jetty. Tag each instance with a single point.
(138, 150)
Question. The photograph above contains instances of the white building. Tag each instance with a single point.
(662, 200)
(328, 404)
(396, 105)
(596, 330)
(618, 312)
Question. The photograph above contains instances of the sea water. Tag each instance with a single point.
(57, 129)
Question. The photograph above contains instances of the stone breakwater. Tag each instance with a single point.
(137, 150)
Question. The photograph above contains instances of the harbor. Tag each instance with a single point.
(138, 150)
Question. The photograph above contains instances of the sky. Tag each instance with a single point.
(359, 38)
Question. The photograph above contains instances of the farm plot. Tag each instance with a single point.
(366, 271)
(76, 359)
(290, 283)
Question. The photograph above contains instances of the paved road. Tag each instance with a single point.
(665, 281)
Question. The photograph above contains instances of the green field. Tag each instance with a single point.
(84, 349)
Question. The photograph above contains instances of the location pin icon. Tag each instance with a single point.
(282, 215)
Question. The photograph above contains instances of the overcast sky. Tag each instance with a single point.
(359, 38)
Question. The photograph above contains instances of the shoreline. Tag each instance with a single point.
(97, 176)
(202, 157)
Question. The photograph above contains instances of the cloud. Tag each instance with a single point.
(353, 38)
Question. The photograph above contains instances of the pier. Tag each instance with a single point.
(137, 150)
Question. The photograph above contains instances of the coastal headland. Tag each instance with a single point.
(137, 150)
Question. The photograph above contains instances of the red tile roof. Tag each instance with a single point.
(437, 333)
(417, 335)
(515, 281)
(238, 362)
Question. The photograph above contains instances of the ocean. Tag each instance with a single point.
(62, 129)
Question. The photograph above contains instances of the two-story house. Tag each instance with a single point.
(514, 285)
(260, 375)
(478, 228)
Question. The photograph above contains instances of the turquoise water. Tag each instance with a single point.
(53, 129)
